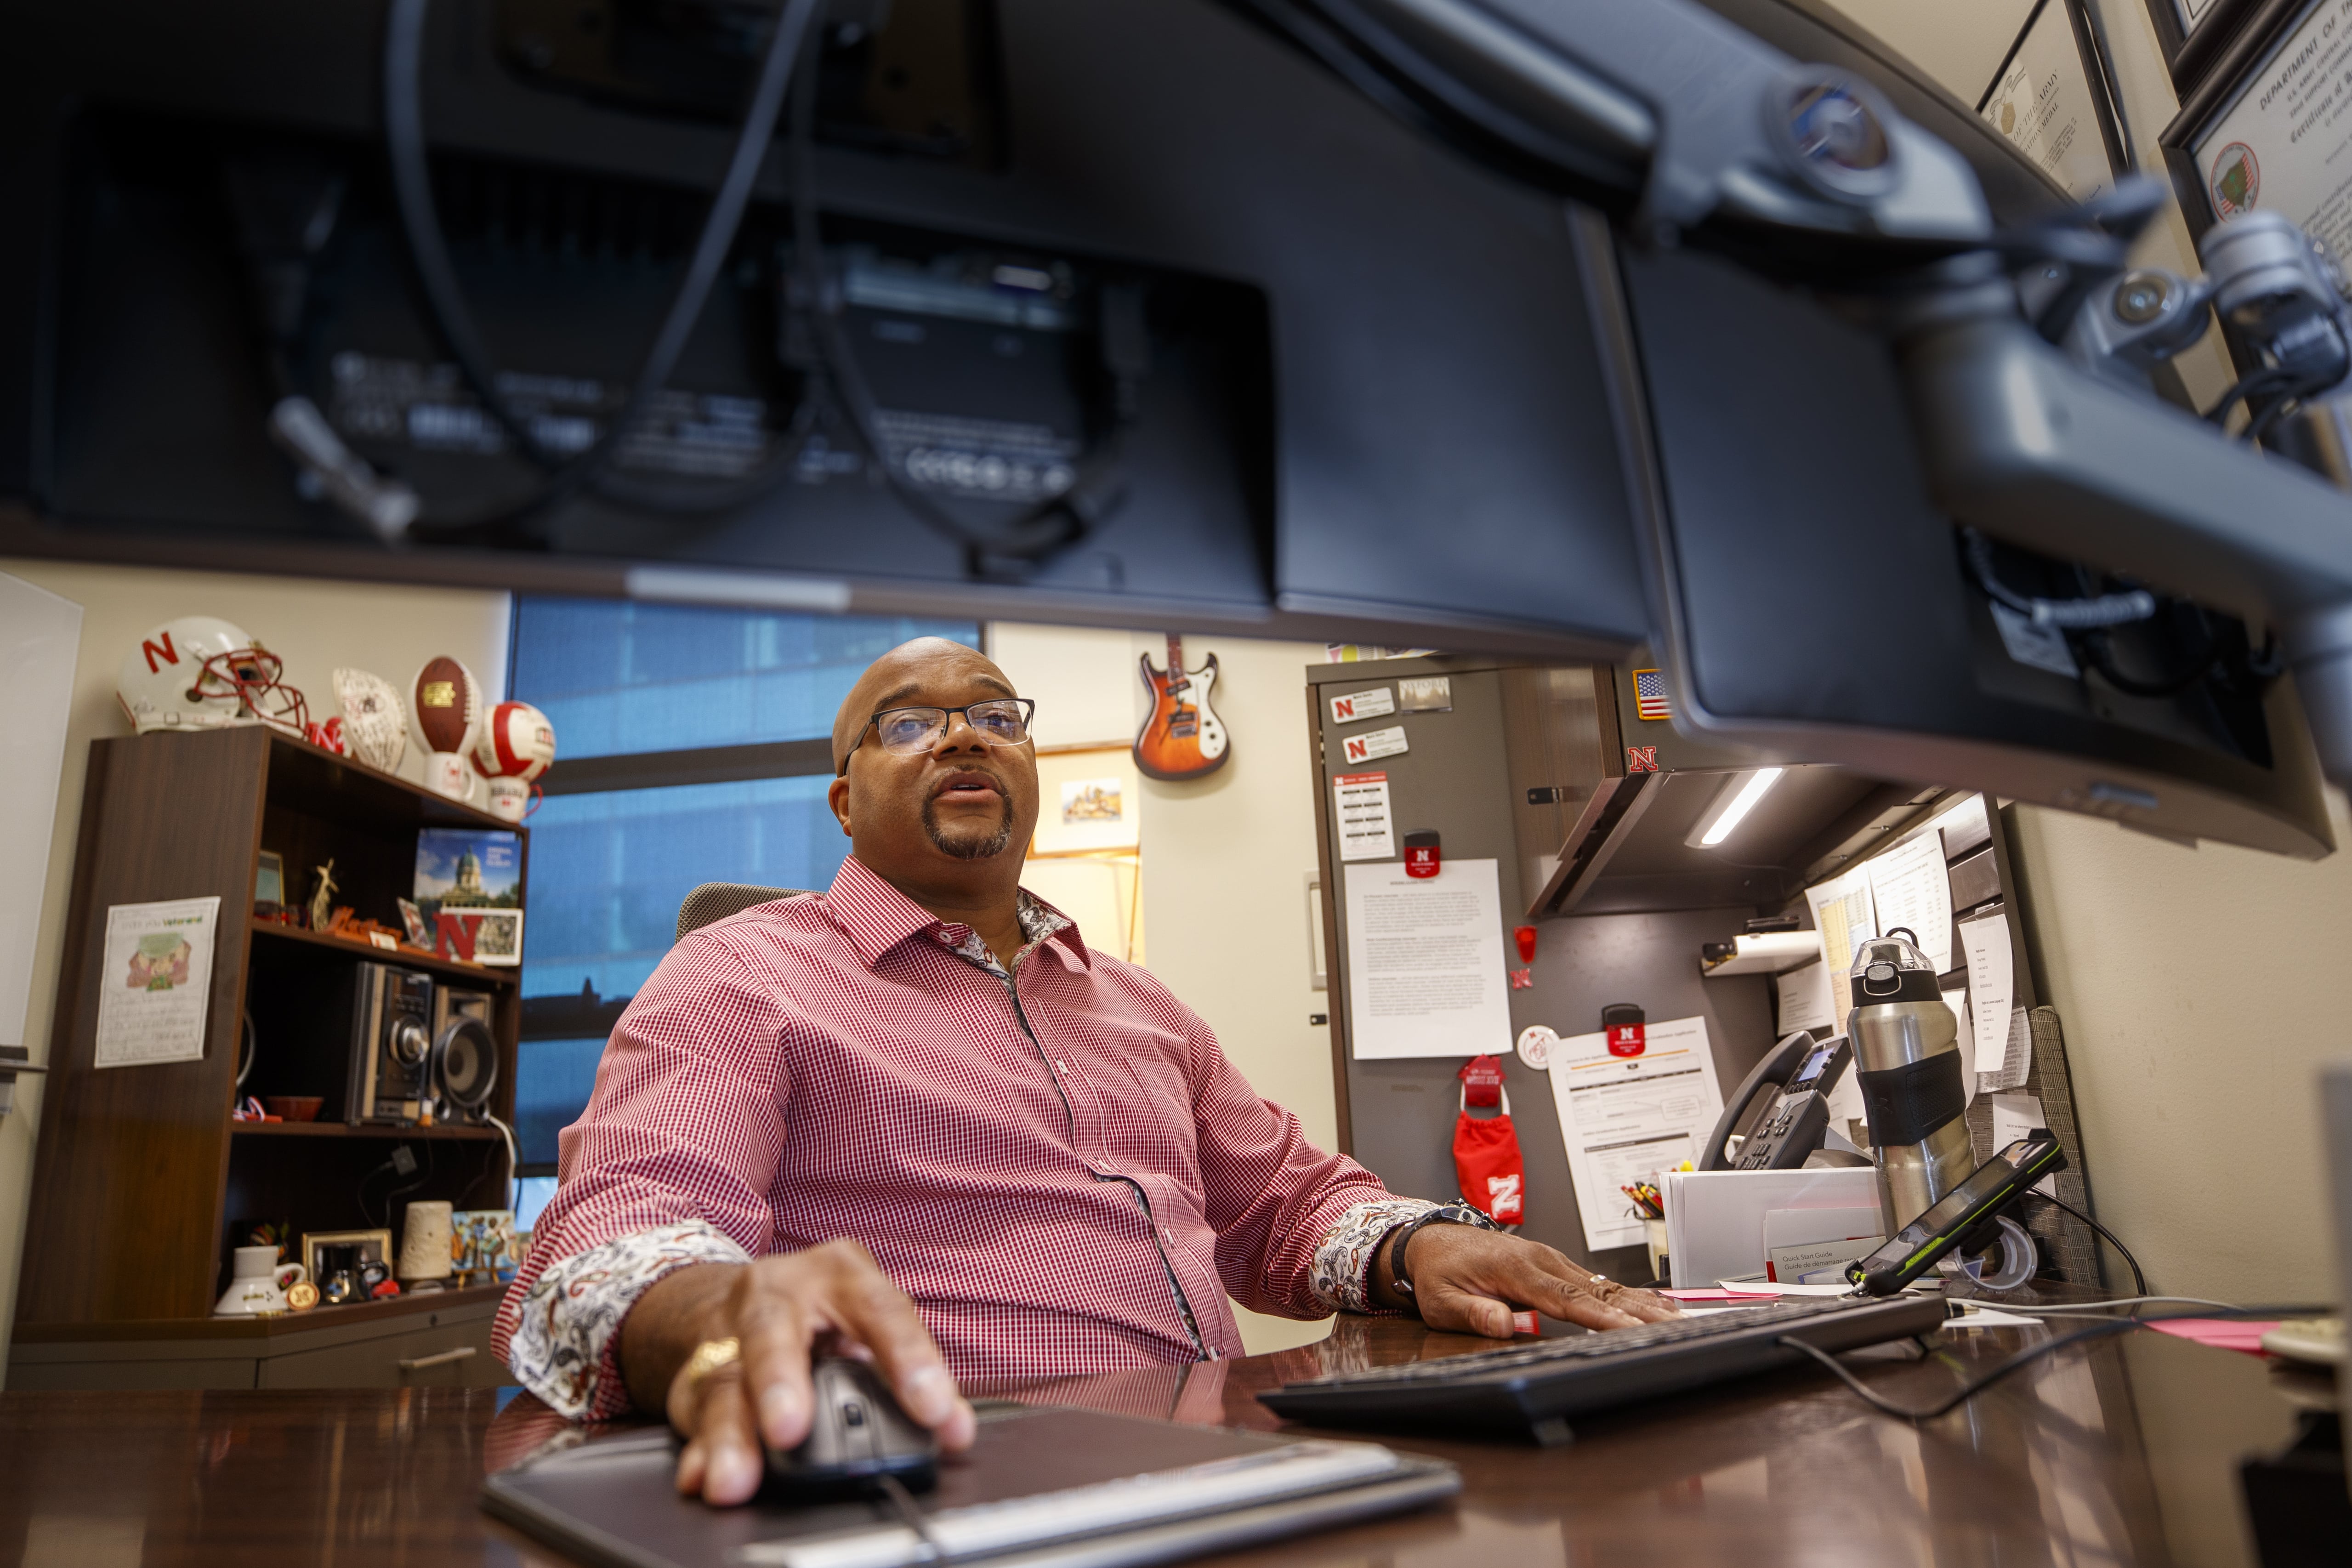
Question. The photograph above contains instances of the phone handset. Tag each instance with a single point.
(1798, 1073)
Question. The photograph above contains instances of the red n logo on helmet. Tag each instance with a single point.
(170, 654)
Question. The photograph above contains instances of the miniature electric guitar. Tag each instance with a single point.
(1182, 738)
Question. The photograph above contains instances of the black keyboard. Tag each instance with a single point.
(1531, 1390)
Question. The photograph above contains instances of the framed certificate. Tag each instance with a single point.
(2195, 33)
(2272, 125)
(2054, 101)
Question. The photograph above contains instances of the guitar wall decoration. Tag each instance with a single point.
(1182, 738)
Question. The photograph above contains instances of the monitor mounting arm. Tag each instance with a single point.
(1686, 129)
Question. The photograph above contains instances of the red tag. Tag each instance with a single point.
(1482, 1081)
(1640, 759)
(1627, 1039)
(1523, 979)
(1526, 937)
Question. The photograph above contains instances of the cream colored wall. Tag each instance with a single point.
(1959, 43)
(2199, 990)
(1224, 858)
(315, 627)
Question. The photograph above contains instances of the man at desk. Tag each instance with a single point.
(918, 1113)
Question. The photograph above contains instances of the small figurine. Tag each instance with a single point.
(322, 897)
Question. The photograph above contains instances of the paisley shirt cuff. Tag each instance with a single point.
(567, 1339)
(1341, 1276)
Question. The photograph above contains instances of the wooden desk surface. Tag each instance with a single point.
(2125, 1451)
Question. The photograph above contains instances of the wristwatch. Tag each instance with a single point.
(1444, 1214)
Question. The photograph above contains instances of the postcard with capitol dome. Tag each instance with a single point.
(468, 867)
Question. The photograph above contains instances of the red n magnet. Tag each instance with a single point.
(1420, 855)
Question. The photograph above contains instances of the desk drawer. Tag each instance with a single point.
(451, 1355)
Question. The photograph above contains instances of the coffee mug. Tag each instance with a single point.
(257, 1283)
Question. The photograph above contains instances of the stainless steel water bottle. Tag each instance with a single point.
(1909, 1067)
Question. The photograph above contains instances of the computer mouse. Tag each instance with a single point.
(858, 1433)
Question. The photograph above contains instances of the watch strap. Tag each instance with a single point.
(1399, 1277)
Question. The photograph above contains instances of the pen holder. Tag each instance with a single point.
(1654, 1233)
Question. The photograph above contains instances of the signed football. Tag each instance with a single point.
(447, 706)
(375, 725)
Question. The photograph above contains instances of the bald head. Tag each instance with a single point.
(904, 677)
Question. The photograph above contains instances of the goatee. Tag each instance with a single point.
(968, 848)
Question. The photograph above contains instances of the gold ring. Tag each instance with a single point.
(709, 1357)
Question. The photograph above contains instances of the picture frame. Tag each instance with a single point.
(2195, 34)
(376, 1246)
(2055, 74)
(482, 1247)
(2215, 117)
(1089, 802)
(269, 882)
(497, 939)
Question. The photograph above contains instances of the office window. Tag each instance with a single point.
(694, 747)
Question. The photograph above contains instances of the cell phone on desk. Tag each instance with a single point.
(1989, 1189)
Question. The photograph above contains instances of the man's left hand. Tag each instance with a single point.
(1472, 1279)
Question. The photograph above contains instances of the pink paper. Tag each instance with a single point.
(1708, 1295)
(2221, 1333)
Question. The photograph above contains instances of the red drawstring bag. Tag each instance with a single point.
(1486, 1154)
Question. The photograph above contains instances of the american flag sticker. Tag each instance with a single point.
(1650, 694)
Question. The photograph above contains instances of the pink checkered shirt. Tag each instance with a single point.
(830, 1065)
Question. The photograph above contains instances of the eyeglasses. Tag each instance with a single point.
(999, 721)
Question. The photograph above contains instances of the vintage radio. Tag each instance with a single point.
(391, 1014)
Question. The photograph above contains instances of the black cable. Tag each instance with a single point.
(404, 123)
(2066, 615)
(2139, 1280)
(1042, 528)
(2258, 426)
(1967, 1390)
(916, 1520)
(359, 1193)
(1970, 1390)
(2263, 382)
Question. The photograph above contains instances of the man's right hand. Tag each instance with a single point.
(782, 1310)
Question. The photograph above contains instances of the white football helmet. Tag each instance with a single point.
(200, 672)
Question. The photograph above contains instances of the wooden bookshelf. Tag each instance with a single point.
(142, 1182)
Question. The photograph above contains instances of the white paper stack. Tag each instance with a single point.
(1715, 1219)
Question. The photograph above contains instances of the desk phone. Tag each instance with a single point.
(1800, 1072)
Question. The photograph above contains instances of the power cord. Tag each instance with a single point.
(2065, 615)
(2094, 1331)
(1967, 1390)
(403, 124)
(2139, 1280)
(916, 1520)
(507, 1189)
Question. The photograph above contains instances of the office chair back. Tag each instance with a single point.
(717, 900)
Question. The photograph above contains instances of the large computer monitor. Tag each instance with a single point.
(1329, 375)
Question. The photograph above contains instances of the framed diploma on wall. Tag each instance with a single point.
(2272, 126)
(2194, 34)
(2053, 100)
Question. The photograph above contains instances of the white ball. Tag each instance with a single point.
(517, 743)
